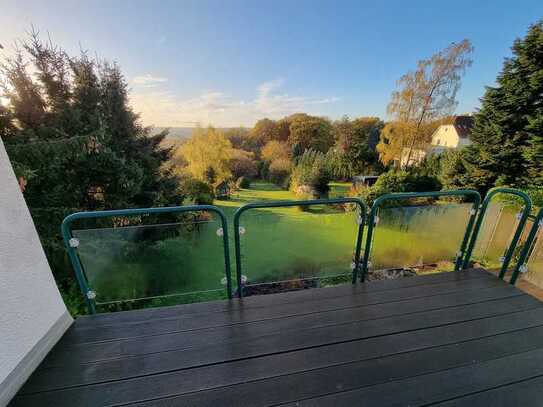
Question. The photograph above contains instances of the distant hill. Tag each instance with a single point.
(175, 133)
(178, 134)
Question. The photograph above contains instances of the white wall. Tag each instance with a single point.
(445, 136)
(32, 314)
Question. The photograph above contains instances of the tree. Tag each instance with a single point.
(239, 137)
(242, 164)
(508, 130)
(356, 140)
(274, 150)
(311, 174)
(76, 144)
(263, 131)
(207, 149)
(424, 96)
(310, 132)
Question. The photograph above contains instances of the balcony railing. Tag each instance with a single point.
(182, 254)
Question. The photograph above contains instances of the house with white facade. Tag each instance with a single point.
(453, 135)
(446, 137)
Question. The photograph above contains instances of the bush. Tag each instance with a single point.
(396, 181)
(243, 182)
(243, 167)
(312, 171)
(199, 192)
(279, 172)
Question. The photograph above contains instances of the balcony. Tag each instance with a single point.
(396, 311)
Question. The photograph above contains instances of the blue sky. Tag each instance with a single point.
(229, 63)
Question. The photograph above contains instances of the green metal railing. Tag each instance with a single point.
(71, 243)
(524, 214)
(360, 263)
(277, 204)
(522, 263)
(415, 195)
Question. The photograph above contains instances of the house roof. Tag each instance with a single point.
(463, 125)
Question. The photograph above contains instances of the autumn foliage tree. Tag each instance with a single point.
(423, 96)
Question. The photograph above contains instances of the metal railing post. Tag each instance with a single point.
(522, 262)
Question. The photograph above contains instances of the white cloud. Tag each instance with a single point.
(164, 108)
(148, 80)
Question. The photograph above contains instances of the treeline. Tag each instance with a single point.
(299, 151)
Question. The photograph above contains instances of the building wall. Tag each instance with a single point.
(32, 314)
(445, 136)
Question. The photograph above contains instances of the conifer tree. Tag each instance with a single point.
(75, 143)
(508, 132)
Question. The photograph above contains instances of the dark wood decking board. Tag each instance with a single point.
(412, 341)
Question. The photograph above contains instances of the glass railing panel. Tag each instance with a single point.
(534, 271)
(412, 238)
(287, 248)
(152, 262)
(499, 225)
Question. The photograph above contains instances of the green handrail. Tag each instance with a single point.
(275, 204)
(76, 262)
(410, 195)
(522, 221)
(522, 263)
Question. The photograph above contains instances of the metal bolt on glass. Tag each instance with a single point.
(73, 242)
(502, 259)
(241, 230)
(524, 268)
(220, 232)
(91, 295)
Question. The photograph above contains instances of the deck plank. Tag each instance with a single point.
(295, 297)
(191, 321)
(377, 364)
(348, 345)
(433, 388)
(248, 345)
(101, 351)
(338, 380)
(526, 393)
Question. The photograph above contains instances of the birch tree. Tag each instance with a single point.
(424, 96)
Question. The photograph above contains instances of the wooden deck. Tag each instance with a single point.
(449, 339)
